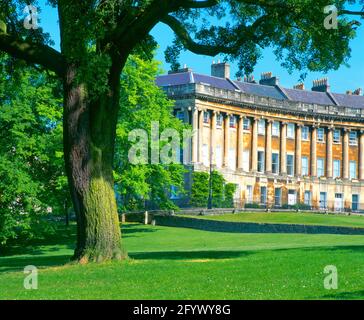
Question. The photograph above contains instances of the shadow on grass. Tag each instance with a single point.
(131, 230)
(65, 237)
(187, 255)
(13, 264)
(345, 295)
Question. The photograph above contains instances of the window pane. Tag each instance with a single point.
(290, 130)
(290, 165)
(261, 127)
(353, 170)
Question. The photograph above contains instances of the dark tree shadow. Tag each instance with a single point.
(130, 230)
(185, 255)
(345, 295)
(17, 264)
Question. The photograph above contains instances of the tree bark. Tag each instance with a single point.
(89, 138)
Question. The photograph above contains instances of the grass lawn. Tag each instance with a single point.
(291, 218)
(177, 263)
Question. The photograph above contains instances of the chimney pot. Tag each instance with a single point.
(268, 79)
(300, 86)
(321, 85)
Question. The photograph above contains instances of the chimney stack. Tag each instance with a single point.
(321, 85)
(220, 69)
(300, 86)
(268, 79)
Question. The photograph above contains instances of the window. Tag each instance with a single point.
(337, 136)
(307, 198)
(304, 166)
(261, 127)
(320, 167)
(290, 165)
(219, 119)
(337, 170)
(275, 129)
(246, 124)
(275, 163)
(180, 115)
(305, 133)
(232, 122)
(260, 161)
(352, 170)
(321, 135)
(263, 195)
(290, 130)
(277, 197)
(339, 202)
(246, 161)
(353, 138)
(292, 197)
(206, 117)
(175, 194)
(323, 200)
(249, 194)
(355, 202)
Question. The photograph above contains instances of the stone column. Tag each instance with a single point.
(226, 140)
(283, 152)
(268, 147)
(329, 159)
(200, 136)
(314, 151)
(194, 135)
(240, 143)
(361, 155)
(346, 154)
(213, 137)
(298, 150)
(254, 146)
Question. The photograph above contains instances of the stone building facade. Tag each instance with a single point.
(280, 146)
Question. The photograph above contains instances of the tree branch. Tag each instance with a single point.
(32, 52)
(188, 42)
(352, 13)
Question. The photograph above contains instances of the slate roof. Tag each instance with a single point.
(275, 92)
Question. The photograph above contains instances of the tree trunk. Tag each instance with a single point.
(89, 138)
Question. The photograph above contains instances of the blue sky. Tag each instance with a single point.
(346, 78)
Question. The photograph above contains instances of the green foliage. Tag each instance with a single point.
(200, 189)
(30, 137)
(222, 192)
(141, 103)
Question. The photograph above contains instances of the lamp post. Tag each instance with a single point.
(209, 202)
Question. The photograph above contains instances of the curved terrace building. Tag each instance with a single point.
(280, 146)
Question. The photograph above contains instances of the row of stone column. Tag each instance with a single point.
(197, 122)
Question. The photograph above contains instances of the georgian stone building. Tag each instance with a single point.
(279, 146)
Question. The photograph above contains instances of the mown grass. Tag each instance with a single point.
(291, 218)
(176, 263)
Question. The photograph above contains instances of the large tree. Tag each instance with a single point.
(97, 36)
